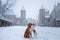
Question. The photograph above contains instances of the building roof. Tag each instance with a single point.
(58, 19)
(23, 8)
(6, 19)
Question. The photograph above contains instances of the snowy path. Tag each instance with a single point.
(16, 33)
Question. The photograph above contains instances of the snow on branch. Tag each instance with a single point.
(7, 5)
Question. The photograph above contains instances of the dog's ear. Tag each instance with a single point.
(33, 24)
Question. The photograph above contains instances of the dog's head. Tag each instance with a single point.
(30, 25)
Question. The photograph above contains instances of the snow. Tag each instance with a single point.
(58, 19)
(17, 32)
(5, 19)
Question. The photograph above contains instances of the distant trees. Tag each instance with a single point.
(4, 6)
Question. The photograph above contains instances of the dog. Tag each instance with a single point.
(33, 30)
(28, 33)
(29, 30)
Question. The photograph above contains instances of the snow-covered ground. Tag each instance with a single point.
(17, 32)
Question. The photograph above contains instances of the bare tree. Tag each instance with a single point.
(6, 6)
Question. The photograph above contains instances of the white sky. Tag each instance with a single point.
(32, 7)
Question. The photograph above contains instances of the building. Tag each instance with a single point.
(18, 21)
(47, 21)
(11, 17)
(55, 15)
(41, 17)
(47, 18)
(0, 7)
(5, 22)
(23, 16)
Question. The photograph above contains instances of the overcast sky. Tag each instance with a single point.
(32, 7)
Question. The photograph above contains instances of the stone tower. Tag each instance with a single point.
(23, 16)
(41, 16)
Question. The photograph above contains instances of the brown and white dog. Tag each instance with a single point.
(28, 33)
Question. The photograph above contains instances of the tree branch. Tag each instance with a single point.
(4, 6)
(7, 6)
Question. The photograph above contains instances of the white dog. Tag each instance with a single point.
(33, 30)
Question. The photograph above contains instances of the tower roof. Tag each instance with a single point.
(23, 8)
(42, 7)
(55, 4)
